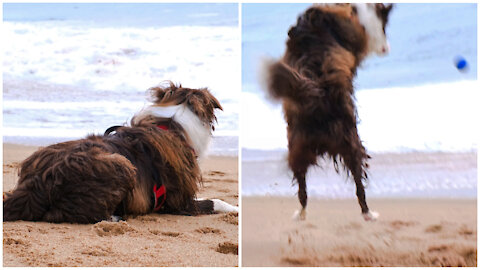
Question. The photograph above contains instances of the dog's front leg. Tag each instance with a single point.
(114, 218)
(215, 206)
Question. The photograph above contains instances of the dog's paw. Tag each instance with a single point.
(370, 216)
(115, 218)
(300, 214)
(220, 206)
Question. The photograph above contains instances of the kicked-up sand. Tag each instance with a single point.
(409, 232)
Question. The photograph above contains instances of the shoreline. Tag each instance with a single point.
(390, 175)
(224, 146)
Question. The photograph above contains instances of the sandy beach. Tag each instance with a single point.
(151, 240)
(410, 232)
(429, 227)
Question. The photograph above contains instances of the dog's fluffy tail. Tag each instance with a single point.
(282, 82)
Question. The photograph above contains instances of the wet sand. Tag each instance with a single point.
(410, 232)
(151, 240)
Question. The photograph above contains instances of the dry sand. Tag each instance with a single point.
(151, 240)
(410, 232)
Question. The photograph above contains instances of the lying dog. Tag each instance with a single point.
(149, 166)
(314, 79)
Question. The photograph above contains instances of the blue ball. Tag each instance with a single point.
(461, 63)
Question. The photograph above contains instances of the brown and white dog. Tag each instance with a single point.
(149, 166)
(314, 80)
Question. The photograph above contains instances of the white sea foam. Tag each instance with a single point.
(66, 79)
(111, 58)
(434, 117)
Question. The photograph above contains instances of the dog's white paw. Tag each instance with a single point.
(115, 218)
(220, 206)
(300, 214)
(370, 216)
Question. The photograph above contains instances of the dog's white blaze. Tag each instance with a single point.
(223, 207)
(197, 131)
(367, 16)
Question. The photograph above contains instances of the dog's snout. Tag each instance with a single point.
(383, 50)
(386, 48)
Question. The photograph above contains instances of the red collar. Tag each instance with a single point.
(164, 127)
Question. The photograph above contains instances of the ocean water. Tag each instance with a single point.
(126, 14)
(75, 69)
(415, 175)
(413, 100)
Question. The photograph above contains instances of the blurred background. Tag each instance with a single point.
(418, 113)
(74, 69)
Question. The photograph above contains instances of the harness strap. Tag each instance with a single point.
(157, 193)
(110, 130)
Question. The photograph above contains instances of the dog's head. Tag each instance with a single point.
(192, 109)
(358, 27)
(199, 101)
(374, 18)
(169, 99)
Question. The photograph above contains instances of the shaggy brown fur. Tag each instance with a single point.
(314, 80)
(91, 179)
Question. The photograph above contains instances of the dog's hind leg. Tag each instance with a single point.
(27, 202)
(300, 157)
(302, 197)
(355, 156)
(87, 191)
(366, 213)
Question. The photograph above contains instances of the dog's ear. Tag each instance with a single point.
(198, 104)
(164, 92)
(203, 104)
(383, 11)
(202, 99)
(311, 17)
(314, 16)
(388, 8)
(214, 101)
